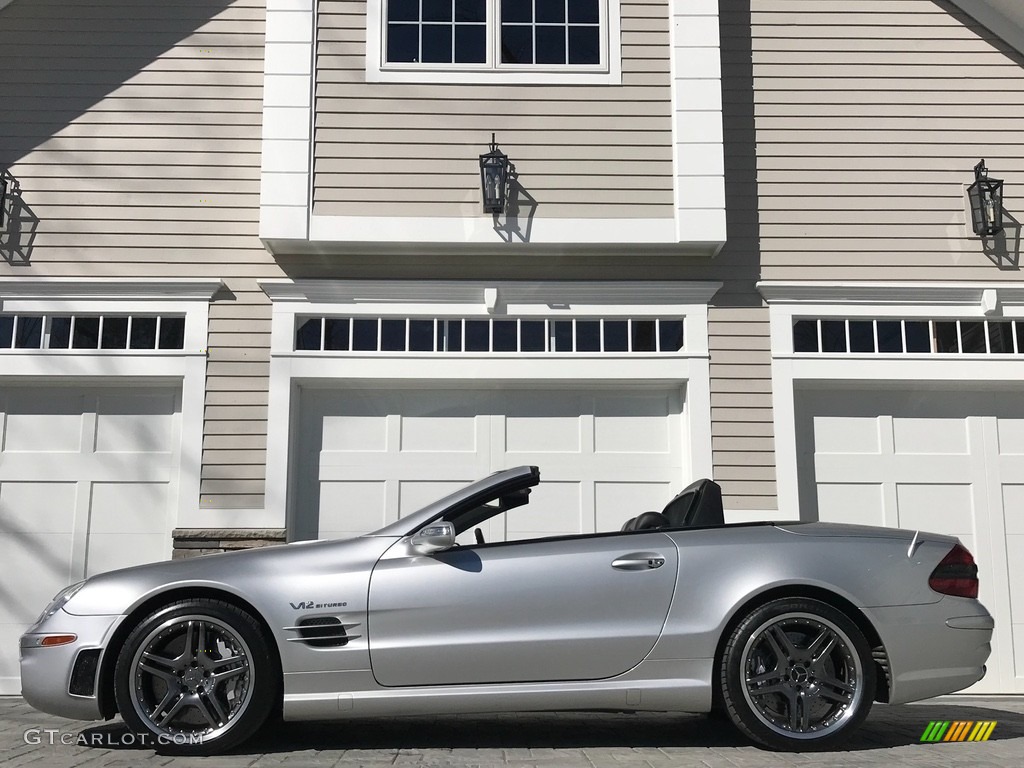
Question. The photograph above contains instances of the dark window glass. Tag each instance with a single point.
(449, 335)
(421, 335)
(616, 336)
(862, 336)
(364, 334)
(550, 45)
(336, 332)
(1000, 337)
(392, 335)
(550, 11)
(115, 333)
(60, 332)
(470, 44)
(87, 333)
(588, 335)
(563, 335)
(805, 336)
(533, 336)
(516, 10)
(403, 10)
(143, 334)
(584, 45)
(918, 337)
(833, 335)
(478, 336)
(643, 336)
(1019, 326)
(670, 335)
(437, 10)
(945, 337)
(403, 42)
(890, 336)
(172, 333)
(6, 331)
(437, 43)
(973, 337)
(308, 335)
(471, 10)
(584, 12)
(505, 336)
(30, 332)
(516, 45)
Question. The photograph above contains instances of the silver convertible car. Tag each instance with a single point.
(791, 630)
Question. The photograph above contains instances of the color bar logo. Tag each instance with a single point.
(958, 730)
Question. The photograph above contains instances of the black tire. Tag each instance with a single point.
(797, 675)
(196, 678)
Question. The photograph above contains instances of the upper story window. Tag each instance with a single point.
(513, 40)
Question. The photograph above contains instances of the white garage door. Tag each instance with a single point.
(87, 484)
(367, 457)
(949, 462)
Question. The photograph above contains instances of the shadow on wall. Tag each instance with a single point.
(1003, 249)
(58, 60)
(517, 223)
(742, 251)
(18, 230)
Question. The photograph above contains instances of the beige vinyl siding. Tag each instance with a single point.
(742, 442)
(134, 132)
(581, 151)
(870, 116)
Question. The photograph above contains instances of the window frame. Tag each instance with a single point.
(607, 72)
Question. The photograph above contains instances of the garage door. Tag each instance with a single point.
(950, 462)
(367, 457)
(87, 484)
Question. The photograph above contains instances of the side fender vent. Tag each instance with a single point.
(322, 632)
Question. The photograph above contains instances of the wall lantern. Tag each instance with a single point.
(986, 196)
(494, 173)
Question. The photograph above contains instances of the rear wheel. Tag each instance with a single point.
(797, 675)
(196, 678)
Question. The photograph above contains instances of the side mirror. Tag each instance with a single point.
(436, 537)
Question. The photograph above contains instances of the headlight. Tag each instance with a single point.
(60, 600)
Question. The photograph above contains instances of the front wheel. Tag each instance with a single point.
(196, 678)
(797, 674)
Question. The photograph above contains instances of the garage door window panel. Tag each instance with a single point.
(90, 332)
(501, 335)
(892, 336)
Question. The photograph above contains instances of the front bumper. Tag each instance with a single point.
(46, 671)
(936, 648)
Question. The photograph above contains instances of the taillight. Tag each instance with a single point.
(956, 575)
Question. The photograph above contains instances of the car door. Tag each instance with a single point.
(579, 608)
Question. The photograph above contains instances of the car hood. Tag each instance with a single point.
(245, 573)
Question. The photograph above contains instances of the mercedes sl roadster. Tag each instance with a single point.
(789, 630)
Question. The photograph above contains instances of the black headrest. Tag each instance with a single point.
(698, 504)
(649, 521)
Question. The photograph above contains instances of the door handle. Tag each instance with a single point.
(640, 561)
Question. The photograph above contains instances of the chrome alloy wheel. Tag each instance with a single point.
(802, 675)
(191, 675)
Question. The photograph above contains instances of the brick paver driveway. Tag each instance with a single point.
(891, 737)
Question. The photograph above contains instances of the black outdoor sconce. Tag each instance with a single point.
(986, 196)
(494, 174)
